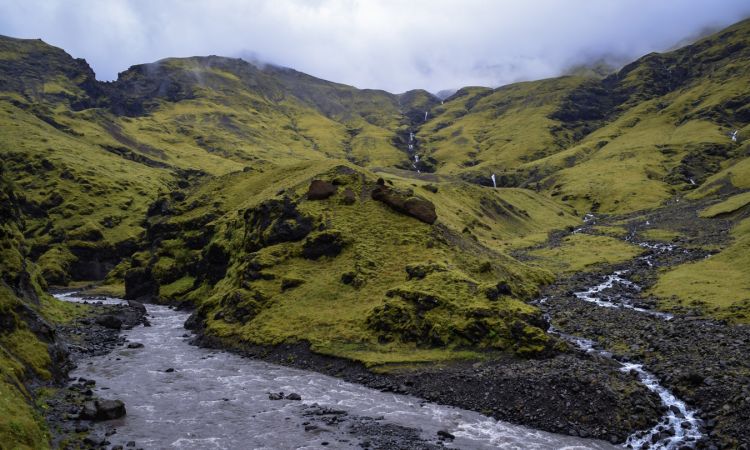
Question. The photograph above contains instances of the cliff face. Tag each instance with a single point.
(29, 348)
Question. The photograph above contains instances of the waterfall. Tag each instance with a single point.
(734, 134)
(494, 183)
(425, 116)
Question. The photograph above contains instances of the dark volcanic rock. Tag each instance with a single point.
(109, 409)
(328, 243)
(320, 190)
(348, 197)
(109, 321)
(140, 283)
(275, 221)
(418, 208)
(102, 410)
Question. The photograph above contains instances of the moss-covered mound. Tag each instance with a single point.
(357, 279)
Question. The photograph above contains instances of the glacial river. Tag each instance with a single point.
(219, 400)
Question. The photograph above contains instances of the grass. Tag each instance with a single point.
(727, 206)
(583, 252)
(352, 319)
(718, 286)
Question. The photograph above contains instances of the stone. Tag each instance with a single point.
(320, 190)
(328, 243)
(293, 396)
(442, 434)
(135, 345)
(348, 197)
(109, 321)
(418, 208)
(109, 409)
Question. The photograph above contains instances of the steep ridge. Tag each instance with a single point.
(30, 351)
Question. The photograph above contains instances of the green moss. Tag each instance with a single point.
(718, 286)
(177, 289)
(582, 252)
(20, 425)
(727, 206)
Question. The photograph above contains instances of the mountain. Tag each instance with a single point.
(287, 209)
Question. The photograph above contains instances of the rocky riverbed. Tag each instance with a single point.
(75, 414)
(177, 394)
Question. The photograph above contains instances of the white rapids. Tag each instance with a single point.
(682, 423)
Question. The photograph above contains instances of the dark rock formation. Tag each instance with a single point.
(418, 208)
(327, 243)
(348, 197)
(320, 190)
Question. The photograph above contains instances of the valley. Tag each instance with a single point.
(561, 262)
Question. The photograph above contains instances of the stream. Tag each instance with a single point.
(680, 425)
(219, 400)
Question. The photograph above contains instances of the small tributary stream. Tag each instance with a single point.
(219, 400)
(680, 425)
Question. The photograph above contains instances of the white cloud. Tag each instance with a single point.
(388, 44)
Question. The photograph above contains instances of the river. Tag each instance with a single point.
(219, 400)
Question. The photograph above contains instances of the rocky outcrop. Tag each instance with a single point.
(327, 243)
(320, 190)
(418, 208)
(348, 197)
(140, 283)
(274, 221)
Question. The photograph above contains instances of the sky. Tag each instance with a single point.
(394, 45)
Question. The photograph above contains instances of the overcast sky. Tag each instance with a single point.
(388, 44)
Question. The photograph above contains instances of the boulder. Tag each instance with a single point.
(109, 321)
(418, 208)
(348, 197)
(138, 306)
(103, 410)
(320, 190)
(109, 409)
(423, 210)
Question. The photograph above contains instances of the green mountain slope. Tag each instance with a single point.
(157, 179)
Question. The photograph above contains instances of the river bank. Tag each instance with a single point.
(180, 394)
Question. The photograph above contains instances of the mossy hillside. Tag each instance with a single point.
(728, 206)
(655, 129)
(492, 131)
(583, 252)
(78, 199)
(25, 334)
(500, 219)
(342, 304)
(718, 285)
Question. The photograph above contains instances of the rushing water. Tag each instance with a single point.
(680, 425)
(216, 400)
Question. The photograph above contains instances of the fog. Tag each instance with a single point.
(387, 44)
